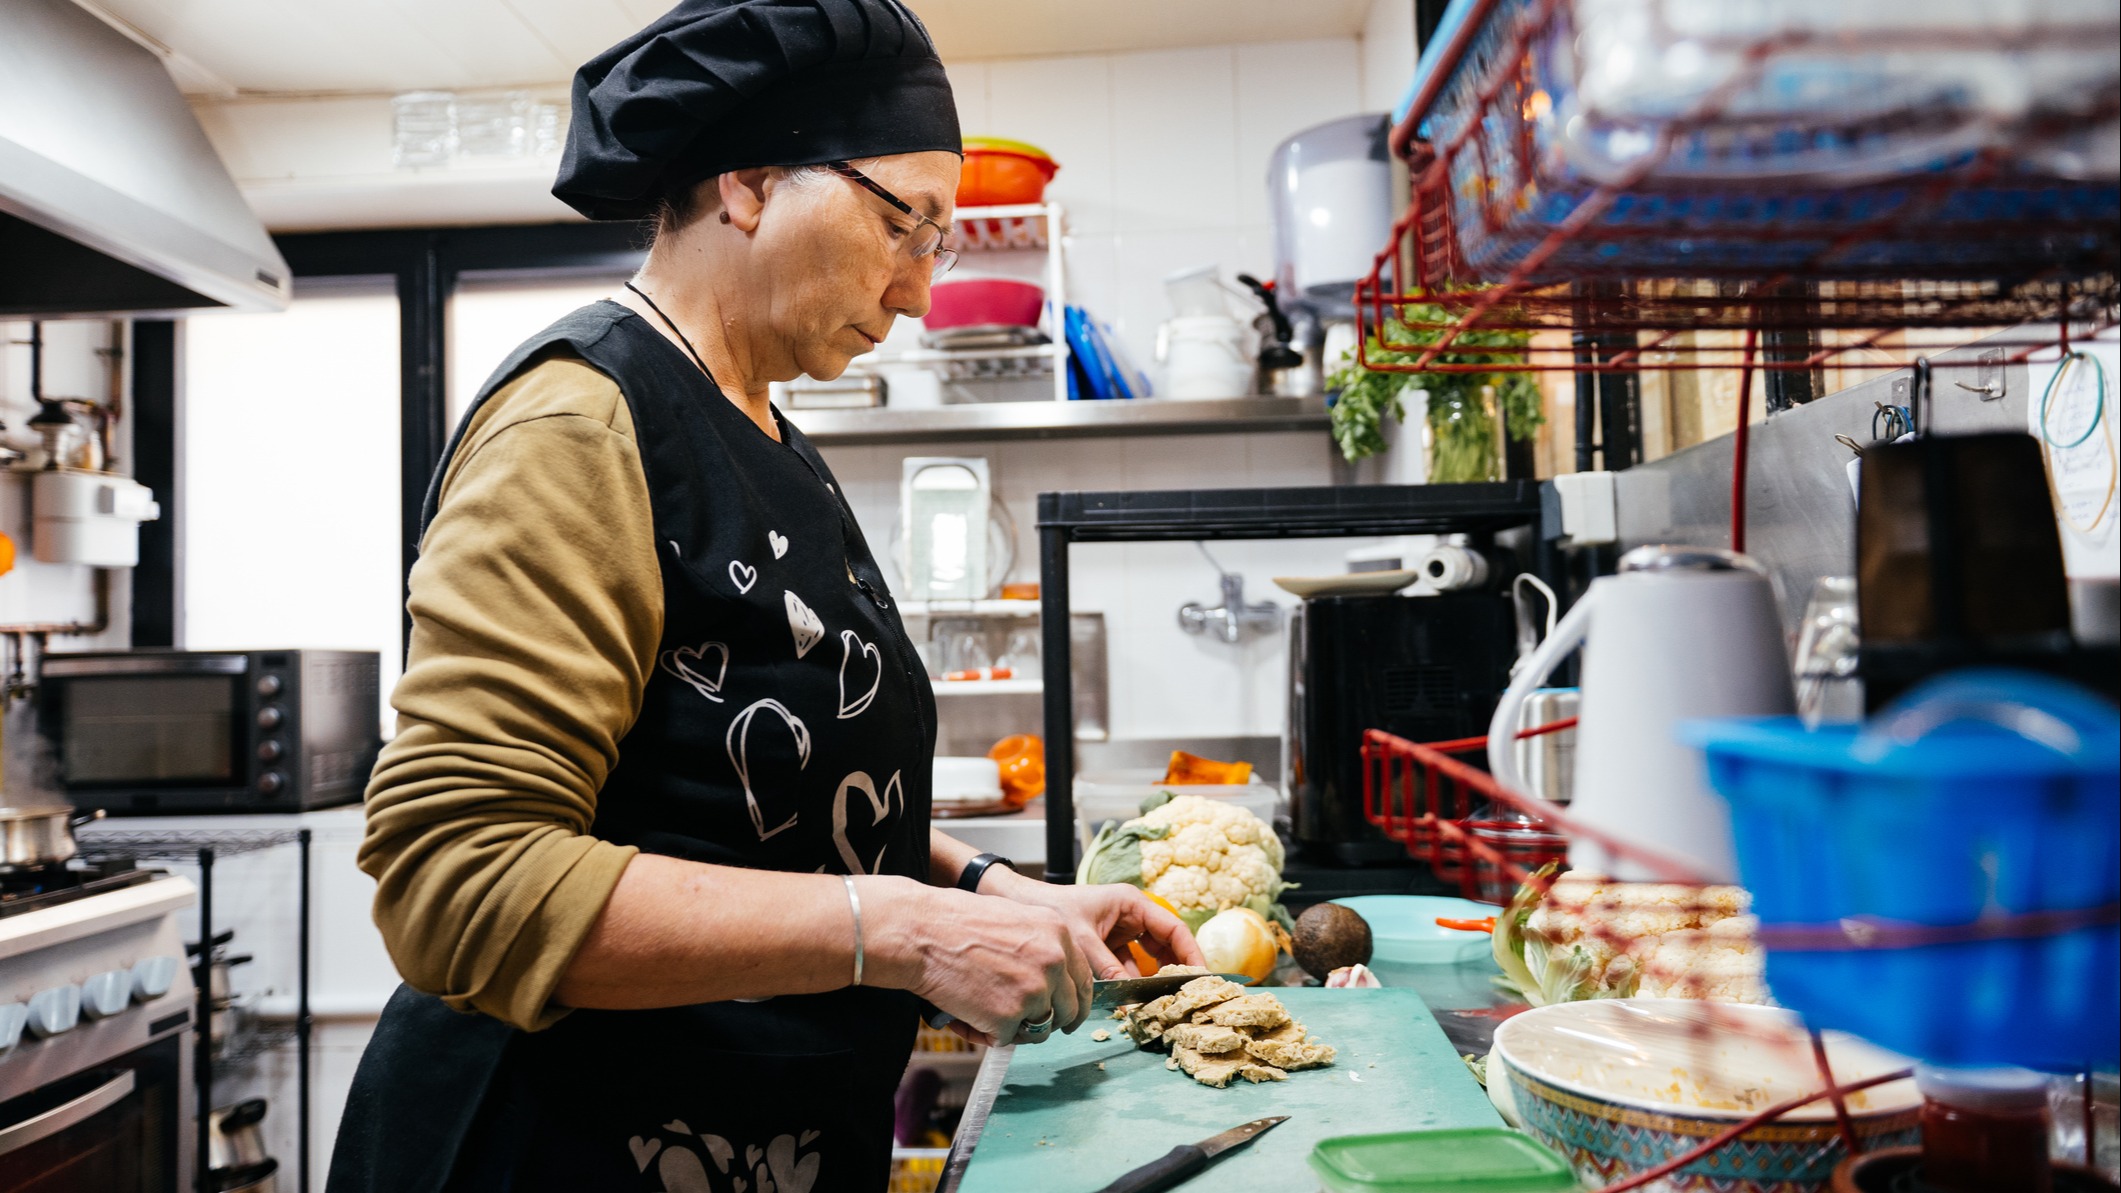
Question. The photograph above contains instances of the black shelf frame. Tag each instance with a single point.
(1189, 515)
(202, 848)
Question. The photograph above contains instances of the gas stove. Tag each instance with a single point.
(28, 888)
(96, 1006)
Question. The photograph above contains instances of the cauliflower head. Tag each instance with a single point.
(1200, 855)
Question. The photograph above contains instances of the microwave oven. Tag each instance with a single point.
(175, 732)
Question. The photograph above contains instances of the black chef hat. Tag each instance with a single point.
(720, 85)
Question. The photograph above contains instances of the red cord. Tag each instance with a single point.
(1719, 1139)
(1738, 444)
(1841, 1106)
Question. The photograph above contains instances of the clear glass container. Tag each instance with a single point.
(423, 128)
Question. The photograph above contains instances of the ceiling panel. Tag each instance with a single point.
(569, 25)
(393, 45)
(490, 45)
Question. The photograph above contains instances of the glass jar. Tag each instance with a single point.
(1984, 1130)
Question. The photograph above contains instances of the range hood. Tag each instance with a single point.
(111, 198)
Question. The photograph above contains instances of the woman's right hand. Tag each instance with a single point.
(992, 964)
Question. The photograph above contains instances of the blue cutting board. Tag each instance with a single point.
(1063, 1124)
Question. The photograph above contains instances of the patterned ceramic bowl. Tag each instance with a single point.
(1620, 1085)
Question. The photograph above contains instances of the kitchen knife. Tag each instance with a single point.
(1104, 996)
(1119, 992)
(1186, 1160)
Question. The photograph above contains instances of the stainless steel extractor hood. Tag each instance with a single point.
(111, 198)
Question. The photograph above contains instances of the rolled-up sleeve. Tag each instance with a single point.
(536, 608)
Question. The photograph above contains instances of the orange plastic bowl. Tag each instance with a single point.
(1002, 173)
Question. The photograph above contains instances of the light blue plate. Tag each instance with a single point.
(1405, 931)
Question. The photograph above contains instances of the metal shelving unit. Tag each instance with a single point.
(202, 848)
(1196, 514)
(998, 421)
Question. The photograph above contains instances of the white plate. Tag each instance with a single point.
(1706, 1060)
(1351, 584)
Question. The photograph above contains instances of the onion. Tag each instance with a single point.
(1237, 940)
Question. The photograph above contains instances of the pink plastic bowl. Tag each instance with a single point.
(975, 301)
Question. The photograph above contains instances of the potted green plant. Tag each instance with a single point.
(1461, 424)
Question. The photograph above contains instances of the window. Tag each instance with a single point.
(488, 319)
(288, 460)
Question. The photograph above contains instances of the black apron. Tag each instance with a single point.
(788, 726)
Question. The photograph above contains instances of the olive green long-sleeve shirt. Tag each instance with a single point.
(536, 609)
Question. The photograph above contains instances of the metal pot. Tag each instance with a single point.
(234, 1139)
(42, 836)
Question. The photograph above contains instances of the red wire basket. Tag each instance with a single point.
(1507, 229)
(1497, 843)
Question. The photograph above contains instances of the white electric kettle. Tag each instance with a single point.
(1679, 633)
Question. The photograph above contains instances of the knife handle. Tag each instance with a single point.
(1162, 1173)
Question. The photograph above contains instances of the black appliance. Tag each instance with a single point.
(161, 732)
(1425, 668)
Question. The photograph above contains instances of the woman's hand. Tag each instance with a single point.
(992, 964)
(1103, 920)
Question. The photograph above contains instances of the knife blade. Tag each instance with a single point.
(1106, 995)
(1188, 1159)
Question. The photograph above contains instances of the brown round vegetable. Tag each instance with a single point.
(1329, 937)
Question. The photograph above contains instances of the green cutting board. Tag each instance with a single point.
(1074, 1114)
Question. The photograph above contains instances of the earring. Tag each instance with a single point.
(725, 217)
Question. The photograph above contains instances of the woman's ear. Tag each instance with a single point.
(743, 194)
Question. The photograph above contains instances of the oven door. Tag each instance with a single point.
(111, 1129)
(139, 730)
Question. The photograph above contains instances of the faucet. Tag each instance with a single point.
(1229, 620)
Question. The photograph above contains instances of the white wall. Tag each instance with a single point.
(1388, 54)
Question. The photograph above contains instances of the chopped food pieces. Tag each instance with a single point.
(1100, 1035)
(1287, 1047)
(1206, 1038)
(1250, 1010)
(1217, 1033)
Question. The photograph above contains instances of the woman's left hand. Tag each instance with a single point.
(1103, 920)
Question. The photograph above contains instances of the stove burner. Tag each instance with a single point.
(31, 888)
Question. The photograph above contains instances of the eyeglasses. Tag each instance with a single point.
(926, 238)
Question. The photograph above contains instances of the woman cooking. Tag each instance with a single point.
(652, 843)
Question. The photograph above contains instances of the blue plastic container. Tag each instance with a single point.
(1979, 794)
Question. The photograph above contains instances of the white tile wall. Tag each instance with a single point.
(1163, 156)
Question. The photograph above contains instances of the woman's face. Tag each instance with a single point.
(833, 257)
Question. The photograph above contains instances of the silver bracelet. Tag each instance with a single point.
(854, 904)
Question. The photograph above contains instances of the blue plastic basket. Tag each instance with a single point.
(1978, 795)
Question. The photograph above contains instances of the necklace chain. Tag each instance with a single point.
(675, 329)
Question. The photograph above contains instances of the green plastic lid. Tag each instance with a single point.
(1473, 1160)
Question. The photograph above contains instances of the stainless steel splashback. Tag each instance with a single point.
(1801, 513)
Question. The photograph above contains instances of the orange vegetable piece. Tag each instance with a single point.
(1486, 924)
(1147, 964)
(1191, 770)
(1022, 757)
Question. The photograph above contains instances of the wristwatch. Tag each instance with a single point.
(976, 869)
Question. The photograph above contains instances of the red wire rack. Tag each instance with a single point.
(1852, 267)
(1474, 831)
